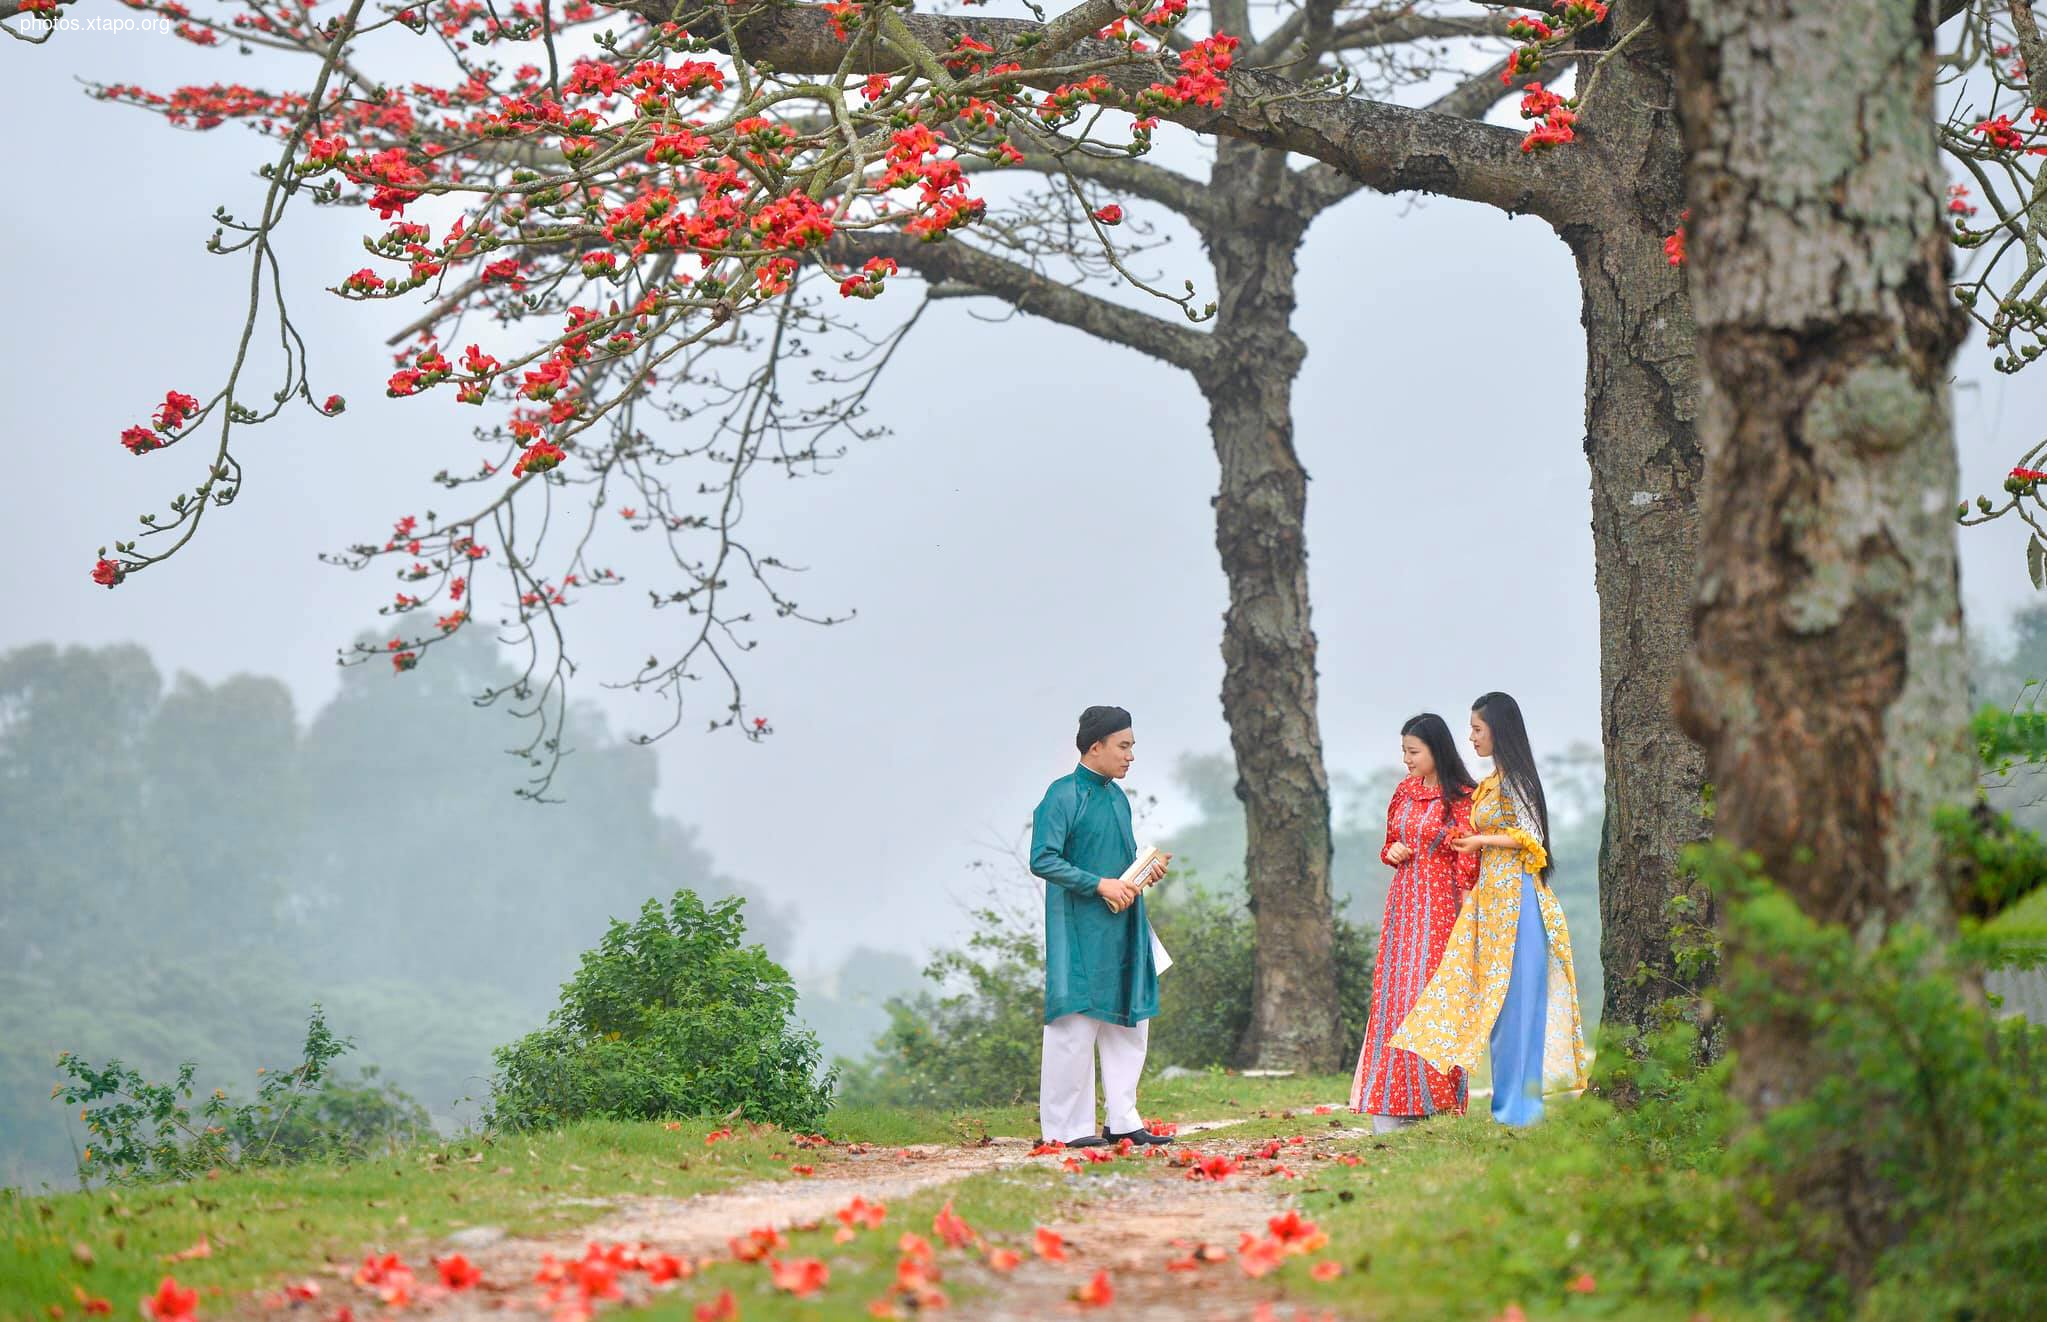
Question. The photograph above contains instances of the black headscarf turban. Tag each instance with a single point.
(1098, 723)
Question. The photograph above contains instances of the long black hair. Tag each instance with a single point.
(1515, 759)
(1456, 783)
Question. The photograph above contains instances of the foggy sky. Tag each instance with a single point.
(1036, 536)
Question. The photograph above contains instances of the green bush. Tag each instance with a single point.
(139, 1131)
(1902, 1175)
(1896, 1172)
(669, 1016)
(975, 1039)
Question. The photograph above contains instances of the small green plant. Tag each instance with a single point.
(670, 1016)
(140, 1131)
(1893, 1173)
(974, 1040)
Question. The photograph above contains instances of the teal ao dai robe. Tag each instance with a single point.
(1097, 963)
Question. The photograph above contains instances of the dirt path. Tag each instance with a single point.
(1133, 1222)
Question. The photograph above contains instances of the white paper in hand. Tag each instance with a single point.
(1160, 960)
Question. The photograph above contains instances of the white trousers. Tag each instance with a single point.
(1066, 1082)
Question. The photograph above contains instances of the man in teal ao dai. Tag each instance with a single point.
(1101, 984)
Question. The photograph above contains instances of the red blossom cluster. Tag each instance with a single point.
(650, 166)
(1204, 75)
(1554, 114)
(2001, 134)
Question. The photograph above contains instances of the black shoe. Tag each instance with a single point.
(1138, 1136)
(1088, 1141)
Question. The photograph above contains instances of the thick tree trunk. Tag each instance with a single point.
(1268, 693)
(1640, 403)
(1828, 682)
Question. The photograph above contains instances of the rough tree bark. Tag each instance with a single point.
(1641, 399)
(1828, 680)
(1268, 692)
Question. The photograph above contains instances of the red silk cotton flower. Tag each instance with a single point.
(171, 1302)
(803, 1277)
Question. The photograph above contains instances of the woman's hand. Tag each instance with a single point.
(1468, 844)
(1398, 853)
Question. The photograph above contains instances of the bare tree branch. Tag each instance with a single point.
(1033, 292)
(1128, 176)
(1473, 97)
(1322, 185)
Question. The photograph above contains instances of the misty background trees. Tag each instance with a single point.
(185, 867)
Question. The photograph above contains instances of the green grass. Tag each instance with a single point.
(1459, 1217)
(266, 1226)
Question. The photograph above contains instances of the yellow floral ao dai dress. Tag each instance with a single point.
(1455, 1015)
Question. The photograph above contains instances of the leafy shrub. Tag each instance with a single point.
(669, 1016)
(143, 1131)
(974, 1041)
(1896, 1176)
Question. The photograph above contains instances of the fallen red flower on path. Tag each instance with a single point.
(803, 1170)
(597, 1279)
(1097, 1293)
(722, 1309)
(948, 1226)
(801, 1277)
(389, 1270)
(665, 1267)
(1326, 1271)
(1004, 1260)
(1259, 1256)
(1299, 1236)
(860, 1212)
(457, 1272)
(756, 1244)
(1049, 1244)
(171, 1302)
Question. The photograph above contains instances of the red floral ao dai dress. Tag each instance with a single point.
(1421, 908)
